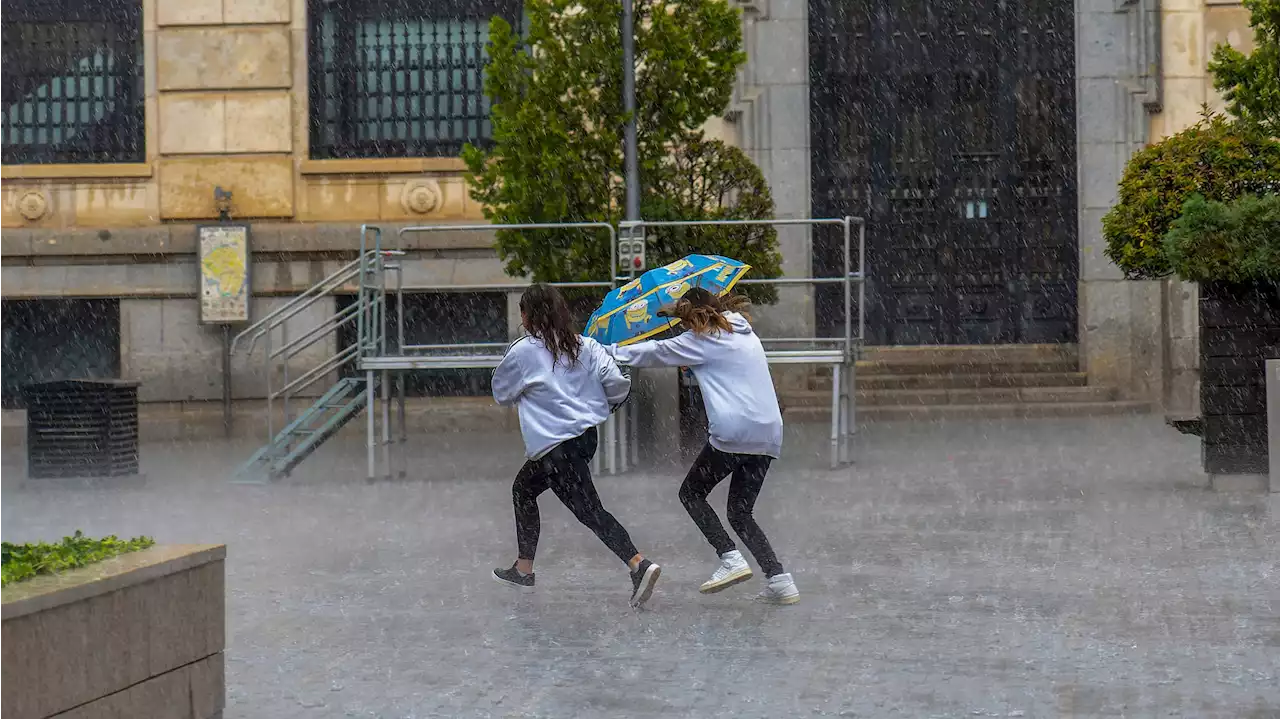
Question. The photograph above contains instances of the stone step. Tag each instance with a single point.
(966, 359)
(972, 354)
(945, 412)
(933, 397)
(961, 380)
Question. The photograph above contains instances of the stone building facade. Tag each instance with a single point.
(228, 91)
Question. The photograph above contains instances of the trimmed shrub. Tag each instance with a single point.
(1236, 242)
(1215, 158)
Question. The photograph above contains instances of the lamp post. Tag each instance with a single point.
(631, 161)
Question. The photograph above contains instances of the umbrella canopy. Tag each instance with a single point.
(630, 313)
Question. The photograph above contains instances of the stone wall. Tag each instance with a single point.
(1141, 76)
(140, 636)
(1191, 30)
(226, 105)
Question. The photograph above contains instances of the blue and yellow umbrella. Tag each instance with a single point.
(630, 313)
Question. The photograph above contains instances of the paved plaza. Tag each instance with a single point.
(1054, 568)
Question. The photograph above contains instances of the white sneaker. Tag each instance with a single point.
(781, 589)
(733, 570)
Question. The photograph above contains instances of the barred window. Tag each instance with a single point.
(399, 78)
(72, 79)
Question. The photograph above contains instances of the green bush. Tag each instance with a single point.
(1215, 158)
(1236, 241)
(24, 561)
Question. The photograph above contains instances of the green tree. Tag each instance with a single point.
(558, 129)
(1251, 83)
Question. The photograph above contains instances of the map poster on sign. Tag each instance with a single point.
(224, 273)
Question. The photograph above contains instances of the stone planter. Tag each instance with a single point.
(138, 636)
(1239, 331)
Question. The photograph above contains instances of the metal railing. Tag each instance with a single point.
(619, 440)
(418, 356)
(843, 361)
(371, 272)
(371, 262)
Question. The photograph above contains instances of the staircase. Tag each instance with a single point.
(964, 382)
(304, 435)
(343, 400)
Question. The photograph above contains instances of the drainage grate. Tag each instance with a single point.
(82, 428)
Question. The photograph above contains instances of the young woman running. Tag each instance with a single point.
(564, 386)
(728, 360)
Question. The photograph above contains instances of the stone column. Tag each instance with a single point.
(771, 110)
(1118, 87)
(223, 76)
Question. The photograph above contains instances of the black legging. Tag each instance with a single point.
(748, 472)
(566, 471)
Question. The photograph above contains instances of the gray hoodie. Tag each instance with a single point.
(737, 389)
(558, 401)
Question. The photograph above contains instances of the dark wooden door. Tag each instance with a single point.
(951, 128)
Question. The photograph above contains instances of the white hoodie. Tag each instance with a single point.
(560, 402)
(737, 389)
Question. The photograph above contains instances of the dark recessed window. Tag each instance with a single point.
(73, 87)
(399, 78)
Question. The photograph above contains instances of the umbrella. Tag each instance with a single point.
(630, 313)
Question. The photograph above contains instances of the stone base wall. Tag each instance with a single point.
(139, 636)
(1122, 336)
(1239, 332)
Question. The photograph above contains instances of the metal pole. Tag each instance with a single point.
(623, 453)
(386, 424)
(850, 411)
(848, 293)
(630, 150)
(369, 393)
(862, 282)
(610, 444)
(284, 342)
(835, 416)
(634, 424)
(400, 379)
(226, 381)
(266, 349)
(1273, 423)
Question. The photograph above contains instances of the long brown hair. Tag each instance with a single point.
(700, 311)
(546, 317)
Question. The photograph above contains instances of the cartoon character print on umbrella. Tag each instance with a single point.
(637, 313)
(675, 292)
(678, 266)
(628, 288)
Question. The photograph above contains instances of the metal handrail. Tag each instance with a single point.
(326, 326)
(290, 309)
(333, 363)
(328, 286)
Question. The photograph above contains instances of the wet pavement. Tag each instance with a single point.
(1055, 568)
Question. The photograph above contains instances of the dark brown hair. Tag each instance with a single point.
(546, 317)
(699, 310)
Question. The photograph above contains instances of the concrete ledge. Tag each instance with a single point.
(382, 165)
(1239, 482)
(267, 237)
(140, 635)
(107, 171)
